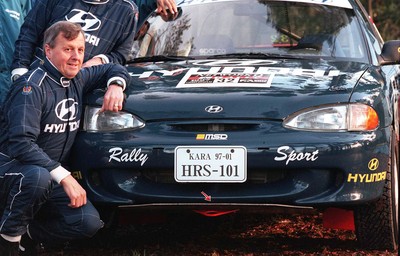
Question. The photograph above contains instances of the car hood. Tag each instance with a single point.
(266, 89)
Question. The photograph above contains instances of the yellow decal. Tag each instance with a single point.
(203, 136)
(373, 164)
(367, 178)
(200, 136)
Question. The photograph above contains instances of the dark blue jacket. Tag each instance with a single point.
(41, 115)
(109, 28)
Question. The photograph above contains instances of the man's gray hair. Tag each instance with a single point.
(69, 30)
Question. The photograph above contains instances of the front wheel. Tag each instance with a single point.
(377, 223)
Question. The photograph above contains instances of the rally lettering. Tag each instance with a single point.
(135, 155)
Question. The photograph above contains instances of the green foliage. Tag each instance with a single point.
(385, 14)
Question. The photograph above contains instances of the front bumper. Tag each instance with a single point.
(338, 174)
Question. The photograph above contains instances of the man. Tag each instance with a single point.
(109, 27)
(12, 15)
(39, 199)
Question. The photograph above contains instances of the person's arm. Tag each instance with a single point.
(114, 77)
(96, 60)
(114, 96)
(24, 117)
(24, 128)
(30, 37)
(122, 49)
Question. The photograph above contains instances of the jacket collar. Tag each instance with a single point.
(54, 74)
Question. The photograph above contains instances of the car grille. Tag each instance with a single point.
(214, 127)
(253, 176)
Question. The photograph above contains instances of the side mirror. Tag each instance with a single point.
(390, 53)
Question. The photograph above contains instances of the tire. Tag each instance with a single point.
(377, 223)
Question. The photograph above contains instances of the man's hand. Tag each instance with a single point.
(164, 5)
(113, 99)
(75, 192)
(92, 62)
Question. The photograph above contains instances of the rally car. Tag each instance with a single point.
(243, 104)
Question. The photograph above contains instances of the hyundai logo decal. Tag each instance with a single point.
(87, 20)
(67, 109)
(214, 109)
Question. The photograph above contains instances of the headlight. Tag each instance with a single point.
(351, 117)
(96, 121)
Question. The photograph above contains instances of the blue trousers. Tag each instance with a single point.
(28, 196)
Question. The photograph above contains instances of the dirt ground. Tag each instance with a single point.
(235, 234)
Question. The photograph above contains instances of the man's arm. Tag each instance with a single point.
(113, 76)
(113, 98)
(30, 37)
(122, 49)
(23, 114)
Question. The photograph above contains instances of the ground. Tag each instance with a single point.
(235, 234)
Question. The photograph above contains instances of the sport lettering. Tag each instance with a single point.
(292, 155)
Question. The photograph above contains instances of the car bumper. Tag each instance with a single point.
(339, 170)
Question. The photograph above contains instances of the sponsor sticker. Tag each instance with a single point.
(203, 136)
(366, 178)
(193, 78)
(373, 165)
(288, 155)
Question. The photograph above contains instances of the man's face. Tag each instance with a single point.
(67, 56)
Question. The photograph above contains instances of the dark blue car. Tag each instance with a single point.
(240, 105)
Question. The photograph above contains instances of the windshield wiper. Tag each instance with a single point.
(161, 58)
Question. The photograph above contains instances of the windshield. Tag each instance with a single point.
(288, 28)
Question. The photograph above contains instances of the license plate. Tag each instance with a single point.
(210, 164)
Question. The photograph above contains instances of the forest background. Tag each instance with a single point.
(386, 16)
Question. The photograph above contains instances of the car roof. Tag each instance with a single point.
(337, 3)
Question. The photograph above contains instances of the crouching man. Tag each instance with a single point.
(40, 201)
